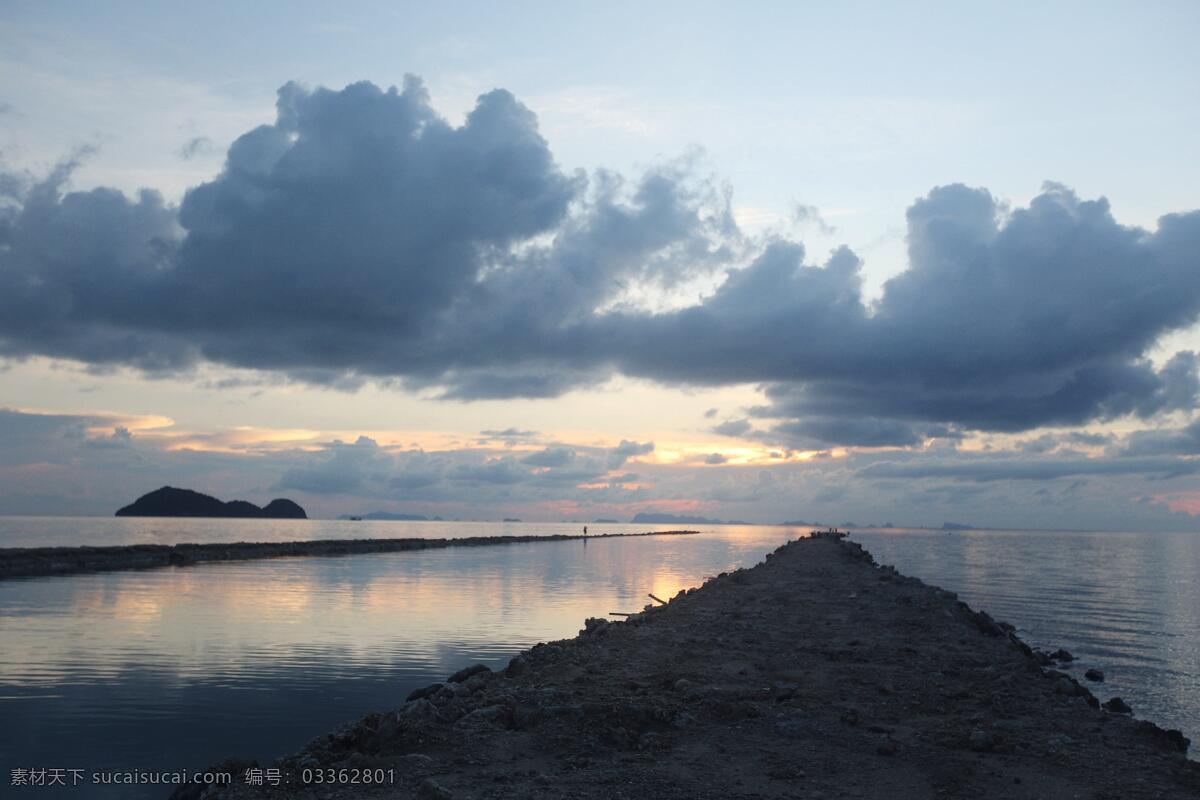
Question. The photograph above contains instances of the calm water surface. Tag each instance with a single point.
(48, 531)
(1126, 603)
(177, 668)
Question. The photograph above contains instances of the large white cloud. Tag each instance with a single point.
(360, 235)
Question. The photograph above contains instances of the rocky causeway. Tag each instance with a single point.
(25, 562)
(816, 674)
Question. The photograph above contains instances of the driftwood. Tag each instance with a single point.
(659, 599)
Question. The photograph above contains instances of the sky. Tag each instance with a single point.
(868, 262)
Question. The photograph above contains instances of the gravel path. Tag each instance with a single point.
(813, 675)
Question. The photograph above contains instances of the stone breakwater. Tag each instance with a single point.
(19, 562)
(816, 674)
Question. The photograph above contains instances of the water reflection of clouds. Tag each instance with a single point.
(230, 617)
(104, 666)
(318, 641)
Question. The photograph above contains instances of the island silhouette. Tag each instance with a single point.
(172, 502)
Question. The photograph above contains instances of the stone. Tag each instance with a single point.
(432, 790)
(467, 672)
(981, 741)
(475, 682)
(418, 760)
(420, 709)
(987, 625)
(793, 727)
(424, 691)
(1094, 674)
(483, 716)
(682, 720)
(450, 691)
(1061, 655)
(1117, 706)
(1173, 739)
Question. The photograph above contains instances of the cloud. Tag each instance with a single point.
(715, 458)
(346, 224)
(1003, 322)
(361, 236)
(195, 146)
(733, 427)
(121, 437)
(821, 431)
(511, 437)
(1177, 441)
(1030, 470)
(340, 469)
(499, 384)
(627, 450)
(811, 215)
(503, 471)
(31, 438)
(508, 433)
(550, 457)
(1085, 439)
(67, 464)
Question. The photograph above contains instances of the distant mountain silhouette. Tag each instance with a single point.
(171, 502)
(388, 516)
(282, 508)
(656, 518)
(956, 526)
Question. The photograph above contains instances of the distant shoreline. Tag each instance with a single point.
(806, 526)
(29, 562)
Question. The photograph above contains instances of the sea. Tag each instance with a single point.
(170, 670)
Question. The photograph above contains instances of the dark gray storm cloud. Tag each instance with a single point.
(365, 468)
(1002, 323)
(1178, 441)
(361, 236)
(342, 468)
(45, 438)
(1002, 469)
(327, 243)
